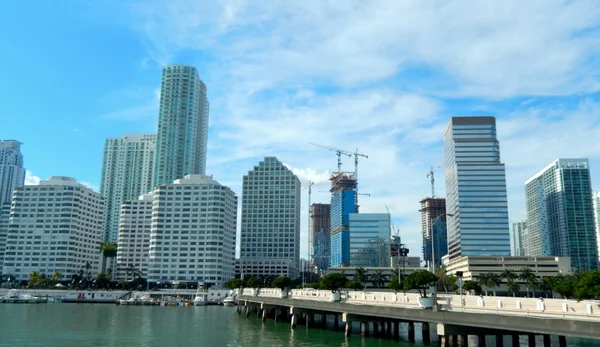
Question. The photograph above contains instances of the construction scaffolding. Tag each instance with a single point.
(431, 208)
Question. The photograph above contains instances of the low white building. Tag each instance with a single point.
(55, 225)
(193, 232)
(134, 237)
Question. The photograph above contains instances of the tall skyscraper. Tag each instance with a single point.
(519, 230)
(127, 172)
(182, 125)
(597, 216)
(475, 189)
(321, 238)
(193, 232)
(560, 213)
(12, 173)
(135, 227)
(370, 240)
(343, 203)
(270, 235)
(4, 218)
(434, 210)
(55, 225)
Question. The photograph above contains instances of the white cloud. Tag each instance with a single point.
(92, 186)
(31, 179)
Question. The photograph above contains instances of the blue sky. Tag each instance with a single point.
(381, 76)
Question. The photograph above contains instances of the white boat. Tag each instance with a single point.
(229, 301)
(200, 297)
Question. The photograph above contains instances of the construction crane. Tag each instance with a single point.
(339, 153)
(430, 175)
(310, 255)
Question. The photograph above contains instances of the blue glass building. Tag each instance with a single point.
(343, 203)
(370, 240)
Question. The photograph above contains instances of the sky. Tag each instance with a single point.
(383, 77)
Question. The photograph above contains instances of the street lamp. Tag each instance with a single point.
(435, 220)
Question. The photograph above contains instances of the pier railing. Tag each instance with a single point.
(530, 307)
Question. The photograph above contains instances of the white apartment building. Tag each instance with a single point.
(55, 225)
(270, 235)
(127, 172)
(134, 237)
(193, 232)
(4, 216)
(12, 173)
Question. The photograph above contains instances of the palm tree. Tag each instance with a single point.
(108, 250)
(494, 280)
(547, 284)
(513, 287)
(484, 280)
(361, 275)
(122, 283)
(508, 275)
(377, 278)
(56, 276)
(530, 279)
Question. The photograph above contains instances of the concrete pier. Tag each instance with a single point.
(364, 328)
(499, 340)
(348, 329)
(531, 340)
(562, 341)
(481, 340)
(411, 332)
(425, 333)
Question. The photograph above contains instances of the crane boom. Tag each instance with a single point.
(337, 151)
(430, 175)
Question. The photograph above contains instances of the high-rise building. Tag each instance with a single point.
(135, 227)
(270, 235)
(127, 172)
(475, 189)
(560, 213)
(343, 203)
(182, 125)
(596, 199)
(433, 210)
(55, 225)
(319, 233)
(4, 218)
(519, 230)
(12, 173)
(370, 240)
(193, 232)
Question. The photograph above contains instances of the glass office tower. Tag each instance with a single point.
(475, 189)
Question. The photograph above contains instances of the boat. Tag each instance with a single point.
(229, 301)
(199, 298)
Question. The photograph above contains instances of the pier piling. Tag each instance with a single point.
(562, 341)
(499, 340)
(547, 340)
(531, 340)
(481, 340)
(348, 329)
(411, 332)
(425, 333)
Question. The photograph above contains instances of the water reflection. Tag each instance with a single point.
(77, 325)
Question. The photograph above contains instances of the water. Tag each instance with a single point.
(81, 325)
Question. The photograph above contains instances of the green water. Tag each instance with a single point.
(79, 325)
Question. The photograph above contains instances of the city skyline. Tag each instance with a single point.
(261, 106)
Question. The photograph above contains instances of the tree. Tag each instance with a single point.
(547, 284)
(37, 280)
(395, 283)
(354, 285)
(361, 275)
(513, 287)
(122, 283)
(254, 282)
(377, 278)
(472, 286)
(565, 286)
(316, 285)
(587, 286)
(508, 275)
(333, 281)
(132, 271)
(281, 282)
(108, 250)
(88, 267)
(494, 280)
(530, 279)
(56, 276)
(420, 280)
(102, 280)
(233, 283)
(483, 280)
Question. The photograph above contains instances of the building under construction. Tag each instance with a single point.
(432, 208)
(320, 235)
(343, 203)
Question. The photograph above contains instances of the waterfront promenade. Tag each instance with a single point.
(454, 317)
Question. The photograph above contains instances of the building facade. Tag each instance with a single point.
(343, 203)
(560, 213)
(433, 217)
(4, 218)
(135, 227)
(182, 125)
(193, 232)
(12, 173)
(370, 240)
(55, 225)
(519, 233)
(475, 189)
(127, 172)
(596, 199)
(270, 233)
(320, 235)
